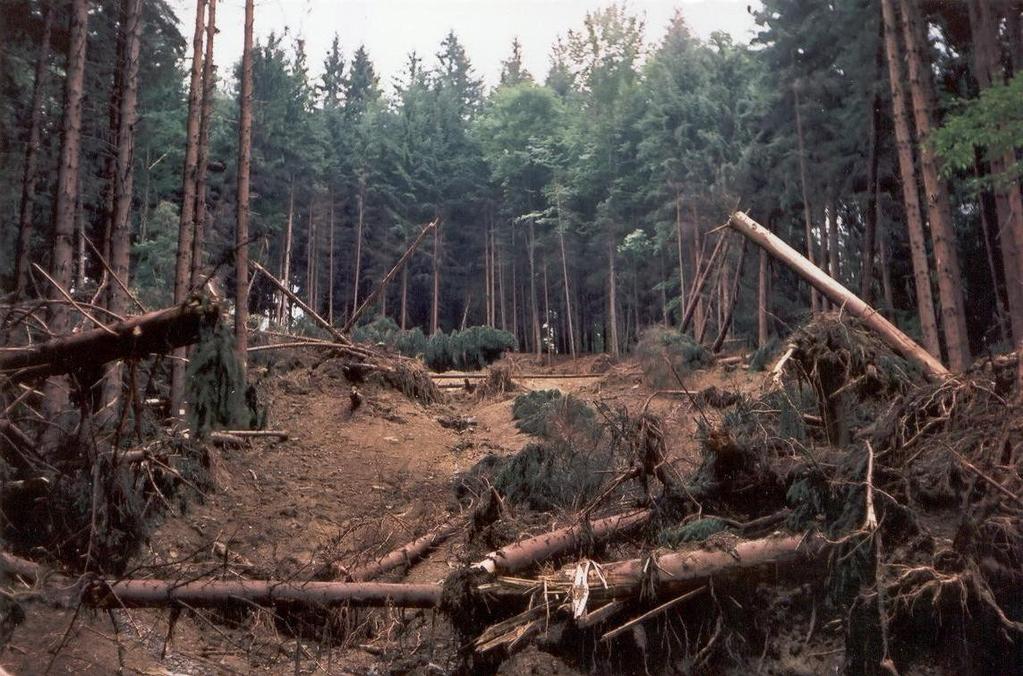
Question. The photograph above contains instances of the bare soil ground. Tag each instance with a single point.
(345, 485)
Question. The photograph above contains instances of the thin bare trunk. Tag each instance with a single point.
(330, 267)
(564, 278)
(763, 329)
(435, 309)
(120, 231)
(534, 314)
(910, 195)
(815, 300)
(404, 298)
(28, 181)
(186, 222)
(241, 312)
(681, 264)
(360, 202)
(284, 309)
(870, 227)
(612, 301)
(732, 298)
(500, 284)
(939, 212)
(209, 90)
(67, 186)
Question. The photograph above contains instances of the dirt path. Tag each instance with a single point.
(343, 485)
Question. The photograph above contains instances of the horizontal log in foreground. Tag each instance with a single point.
(217, 593)
(525, 553)
(155, 332)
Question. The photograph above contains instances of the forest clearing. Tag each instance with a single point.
(702, 354)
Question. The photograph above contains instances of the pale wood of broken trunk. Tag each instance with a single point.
(838, 294)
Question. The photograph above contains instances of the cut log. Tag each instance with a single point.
(372, 298)
(154, 332)
(838, 294)
(218, 593)
(406, 554)
(525, 553)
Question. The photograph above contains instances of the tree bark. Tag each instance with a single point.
(681, 263)
(525, 553)
(67, 185)
(284, 309)
(763, 326)
(870, 227)
(217, 593)
(186, 221)
(154, 332)
(698, 284)
(435, 307)
(360, 202)
(26, 220)
(910, 195)
(838, 294)
(120, 231)
(330, 265)
(241, 309)
(815, 300)
(209, 91)
(939, 212)
(612, 301)
(534, 313)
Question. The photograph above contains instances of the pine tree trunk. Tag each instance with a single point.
(1008, 203)
(241, 316)
(28, 181)
(763, 329)
(831, 218)
(886, 275)
(564, 279)
(209, 91)
(310, 261)
(67, 187)
(533, 311)
(360, 204)
(870, 226)
(910, 195)
(815, 299)
(284, 308)
(404, 298)
(330, 269)
(486, 275)
(500, 283)
(435, 308)
(681, 264)
(120, 231)
(186, 221)
(983, 206)
(612, 302)
(939, 212)
(515, 297)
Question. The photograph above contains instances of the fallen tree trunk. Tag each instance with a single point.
(155, 332)
(404, 555)
(337, 335)
(838, 294)
(525, 553)
(372, 298)
(216, 593)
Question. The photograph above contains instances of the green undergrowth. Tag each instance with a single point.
(470, 349)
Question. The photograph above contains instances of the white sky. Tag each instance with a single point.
(390, 29)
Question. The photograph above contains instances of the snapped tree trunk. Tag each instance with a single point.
(186, 221)
(241, 235)
(939, 212)
(910, 194)
(733, 297)
(838, 294)
(26, 221)
(67, 185)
